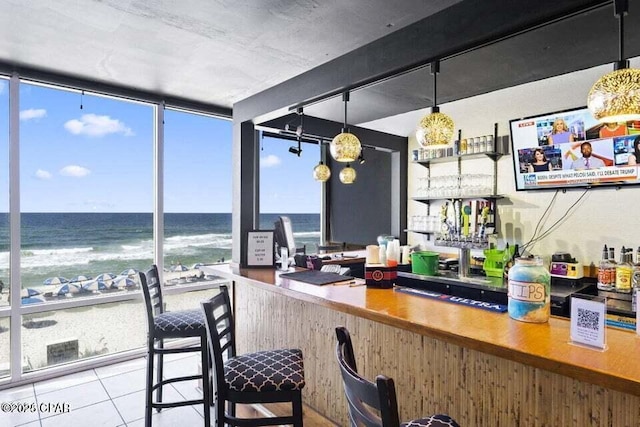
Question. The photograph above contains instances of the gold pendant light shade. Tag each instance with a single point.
(345, 147)
(348, 175)
(435, 131)
(321, 172)
(615, 97)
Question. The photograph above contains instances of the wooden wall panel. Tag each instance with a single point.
(431, 376)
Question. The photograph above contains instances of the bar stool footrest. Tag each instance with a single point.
(175, 380)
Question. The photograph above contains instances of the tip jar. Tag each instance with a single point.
(529, 291)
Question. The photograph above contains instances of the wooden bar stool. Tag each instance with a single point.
(374, 404)
(260, 377)
(172, 324)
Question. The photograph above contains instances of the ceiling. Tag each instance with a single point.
(222, 52)
(215, 52)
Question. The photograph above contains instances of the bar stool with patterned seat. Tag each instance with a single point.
(374, 404)
(260, 377)
(172, 324)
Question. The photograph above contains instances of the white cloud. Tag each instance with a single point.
(33, 113)
(96, 126)
(40, 174)
(75, 171)
(270, 161)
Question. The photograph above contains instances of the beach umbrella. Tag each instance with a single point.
(80, 278)
(33, 300)
(124, 283)
(29, 292)
(55, 281)
(67, 288)
(106, 277)
(179, 267)
(95, 285)
(130, 272)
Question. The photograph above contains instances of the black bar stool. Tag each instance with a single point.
(171, 324)
(363, 395)
(260, 377)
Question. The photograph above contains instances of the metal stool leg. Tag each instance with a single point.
(206, 381)
(159, 373)
(297, 410)
(149, 389)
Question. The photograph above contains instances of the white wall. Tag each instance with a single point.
(603, 216)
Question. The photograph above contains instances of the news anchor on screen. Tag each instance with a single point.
(540, 162)
(587, 161)
(560, 133)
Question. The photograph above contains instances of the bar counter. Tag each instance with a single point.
(480, 367)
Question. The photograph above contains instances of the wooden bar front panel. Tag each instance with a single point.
(432, 375)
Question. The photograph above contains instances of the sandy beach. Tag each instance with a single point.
(98, 329)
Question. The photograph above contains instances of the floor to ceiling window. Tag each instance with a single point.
(287, 188)
(5, 333)
(86, 187)
(85, 223)
(197, 194)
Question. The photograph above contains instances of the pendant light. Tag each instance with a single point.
(321, 172)
(345, 147)
(348, 175)
(436, 129)
(615, 97)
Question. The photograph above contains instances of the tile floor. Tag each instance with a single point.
(108, 396)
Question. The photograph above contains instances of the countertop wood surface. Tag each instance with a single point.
(545, 346)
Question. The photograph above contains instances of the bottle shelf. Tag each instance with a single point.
(409, 230)
(467, 197)
(492, 155)
(462, 245)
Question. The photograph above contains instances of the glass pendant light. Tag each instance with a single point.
(436, 129)
(345, 147)
(321, 172)
(348, 175)
(615, 97)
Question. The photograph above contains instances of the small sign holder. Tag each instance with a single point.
(588, 321)
(260, 249)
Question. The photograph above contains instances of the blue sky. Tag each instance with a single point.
(99, 158)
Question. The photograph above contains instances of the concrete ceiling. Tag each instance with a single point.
(214, 52)
(221, 52)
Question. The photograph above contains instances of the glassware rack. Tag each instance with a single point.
(472, 196)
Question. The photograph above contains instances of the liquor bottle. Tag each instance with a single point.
(506, 258)
(604, 273)
(612, 267)
(635, 282)
(624, 271)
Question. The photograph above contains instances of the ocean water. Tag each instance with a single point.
(71, 244)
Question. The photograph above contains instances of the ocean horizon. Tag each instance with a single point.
(72, 244)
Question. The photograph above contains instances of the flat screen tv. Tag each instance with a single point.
(570, 148)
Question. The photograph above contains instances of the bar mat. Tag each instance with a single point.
(316, 277)
(500, 308)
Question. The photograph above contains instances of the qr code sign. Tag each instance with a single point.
(588, 319)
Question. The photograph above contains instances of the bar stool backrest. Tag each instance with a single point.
(370, 404)
(152, 292)
(220, 332)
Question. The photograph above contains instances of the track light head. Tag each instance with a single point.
(295, 150)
